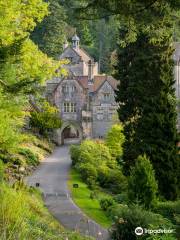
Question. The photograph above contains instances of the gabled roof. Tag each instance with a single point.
(80, 52)
(97, 82)
(83, 54)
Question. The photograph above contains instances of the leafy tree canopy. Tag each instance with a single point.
(18, 18)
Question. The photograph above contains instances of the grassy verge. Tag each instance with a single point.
(81, 197)
(23, 216)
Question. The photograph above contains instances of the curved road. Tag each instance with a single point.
(52, 175)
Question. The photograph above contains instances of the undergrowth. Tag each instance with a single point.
(23, 216)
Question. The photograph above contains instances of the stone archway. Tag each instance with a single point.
(70, 130)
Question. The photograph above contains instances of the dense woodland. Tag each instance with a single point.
(137, 165)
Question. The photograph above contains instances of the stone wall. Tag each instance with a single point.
(103, 110)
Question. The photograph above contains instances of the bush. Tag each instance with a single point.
(95, 153)
(31, 158)
(142, 186)
(128, 218)
(75, 153)
(113, 179)
(105, 203)
(114, 140)
(121, 198)
(88, 173)
(170, 210)
(46, 119)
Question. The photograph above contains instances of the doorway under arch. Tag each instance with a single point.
(70, 133)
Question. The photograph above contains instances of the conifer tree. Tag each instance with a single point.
(142, 186)
(148, 108)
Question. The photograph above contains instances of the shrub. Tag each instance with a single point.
(170, 210)
(31, 158)
(114, 140)
(46, 119)
(88, 173)
(128, 218)
(95, 153)
(93, 194)
(121, 198)
(142, 185)
(75, 153)
(113, 179)
(105, 203)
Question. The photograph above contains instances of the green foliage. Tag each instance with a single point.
(1, 171)
(50, 34)
(12, 117)
(75, 153)
(121, 198)
(31, 158)
(150, 72)
(112, 179)
(22, 67)
(170, 210)
(23, 216)
(105, 203)
(114, 140)
(25, 14)
(88, 173)
(46, 119)
(95, 153)
(96, 165)
(128, 218)
(142, 186)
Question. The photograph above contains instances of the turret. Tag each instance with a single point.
(75, 42)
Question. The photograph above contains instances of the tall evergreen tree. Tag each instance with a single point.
(50, 34)
(148, 108)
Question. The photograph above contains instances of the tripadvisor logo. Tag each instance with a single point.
(139, 231)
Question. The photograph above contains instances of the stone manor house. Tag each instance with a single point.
(85, 98)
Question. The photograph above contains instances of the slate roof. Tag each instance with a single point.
(98, 81)
(83, 54)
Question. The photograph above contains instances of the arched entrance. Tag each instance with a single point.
(70, 133)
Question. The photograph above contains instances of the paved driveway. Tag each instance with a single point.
(52, 174)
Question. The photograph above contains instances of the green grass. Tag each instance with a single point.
(24, 216)
(81, 197)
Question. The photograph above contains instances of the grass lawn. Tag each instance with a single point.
(81, 197)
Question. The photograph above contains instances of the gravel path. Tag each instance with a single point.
(52, 175)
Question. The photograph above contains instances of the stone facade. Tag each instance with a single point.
(85, 99)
